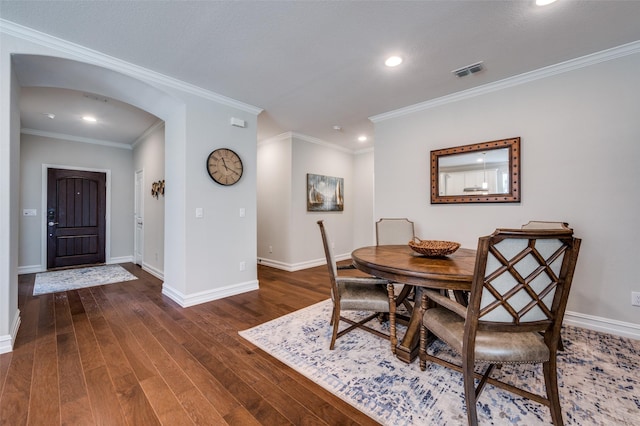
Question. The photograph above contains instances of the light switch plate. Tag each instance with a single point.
(29, 212)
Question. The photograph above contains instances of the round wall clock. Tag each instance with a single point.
(224, 166)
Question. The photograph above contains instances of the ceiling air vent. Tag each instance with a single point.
(469, 69)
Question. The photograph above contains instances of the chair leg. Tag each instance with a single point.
(335, 321)
(470, 392)
(551, 383)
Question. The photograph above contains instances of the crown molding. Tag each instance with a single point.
(159, 123)
(101, 59)
(310, 139)
(363, 151)
(277, 138)
(72, 138)
(551, 70)
(317, 141)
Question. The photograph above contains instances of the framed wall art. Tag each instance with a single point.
(325, 193)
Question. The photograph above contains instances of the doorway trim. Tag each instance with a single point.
(138, 207)
(43, 208)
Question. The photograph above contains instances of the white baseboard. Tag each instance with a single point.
(6, 341)
(292, 267)
(153, 271)
(120, 259)
(186, 300)
(6, 344)
(604, 325)
(30, 269)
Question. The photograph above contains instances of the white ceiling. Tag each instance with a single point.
(313, 65)
(118, 123)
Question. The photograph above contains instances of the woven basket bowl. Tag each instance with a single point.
(433, 247)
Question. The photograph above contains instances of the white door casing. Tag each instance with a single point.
(139, 218)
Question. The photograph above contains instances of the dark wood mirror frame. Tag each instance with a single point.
(512, 195)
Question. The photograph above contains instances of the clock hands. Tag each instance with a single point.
(229, 170)
(222, 171)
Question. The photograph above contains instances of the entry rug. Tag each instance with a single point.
(72, 279)
(598, 376)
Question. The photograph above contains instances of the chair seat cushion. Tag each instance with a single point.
(491, 346)
(363, 296)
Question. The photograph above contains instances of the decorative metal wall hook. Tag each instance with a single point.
(157, 188)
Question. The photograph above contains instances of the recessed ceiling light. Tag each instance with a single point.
(393, 61)
(544, 2)
(89, 118)
(49, 115)
(362, 138)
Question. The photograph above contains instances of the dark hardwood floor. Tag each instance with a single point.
(125, 354)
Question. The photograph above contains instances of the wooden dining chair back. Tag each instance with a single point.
(355, 293)
(397, 231)
(543, 224)
(516, 305)
(394, 231)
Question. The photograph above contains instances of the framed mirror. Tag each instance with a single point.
(487, 172)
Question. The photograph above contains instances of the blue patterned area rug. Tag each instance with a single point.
(599, 376)
(73, 279)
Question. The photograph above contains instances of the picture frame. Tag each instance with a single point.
(325, 193)
(486, 172)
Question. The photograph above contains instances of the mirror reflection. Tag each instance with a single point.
(487, 172)
(482, 172)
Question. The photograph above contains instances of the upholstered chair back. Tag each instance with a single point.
(394, 231)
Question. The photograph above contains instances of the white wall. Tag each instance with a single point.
(148, 156)
(36, 151)
(201, 255)
(580, 133)
(9, 202)
(274, 201)
(318, 159)
(283, 220)
(363, 219)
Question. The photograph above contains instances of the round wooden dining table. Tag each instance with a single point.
(400, 264)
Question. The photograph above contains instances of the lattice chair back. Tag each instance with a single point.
(522, 279)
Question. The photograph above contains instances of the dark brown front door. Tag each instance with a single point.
(75, 217)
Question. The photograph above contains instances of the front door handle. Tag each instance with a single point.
(52, 223)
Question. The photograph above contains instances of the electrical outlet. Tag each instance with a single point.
(270, 249)
(243, 266)
(635, 298)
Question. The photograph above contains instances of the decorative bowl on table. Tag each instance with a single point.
(433, 248)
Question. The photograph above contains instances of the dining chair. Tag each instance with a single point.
(543, 224)
(397, 231)
(394, 231)
(519, 290)
(358, 294)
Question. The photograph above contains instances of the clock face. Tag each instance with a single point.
(224, 166)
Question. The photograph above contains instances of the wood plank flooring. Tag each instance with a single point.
(124, 354)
